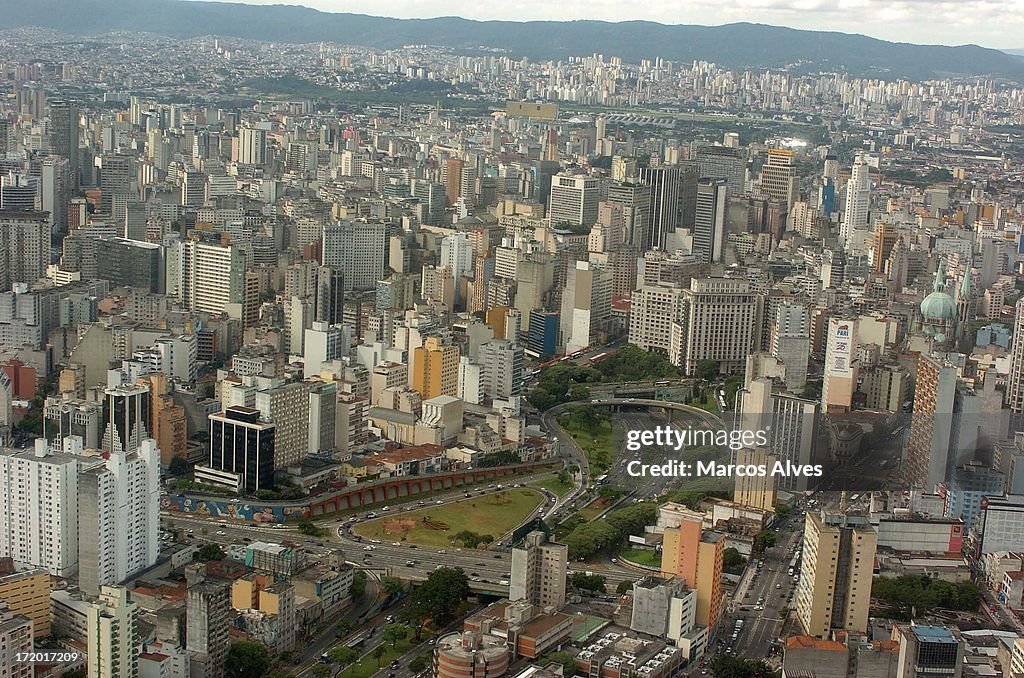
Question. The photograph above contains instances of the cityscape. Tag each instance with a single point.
(454, 350)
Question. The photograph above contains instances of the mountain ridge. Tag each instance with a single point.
(737, 45)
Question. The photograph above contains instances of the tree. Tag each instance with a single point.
(247, 659)
(418, 663)
(321, 671)
(208, 552)
(567, 661)
(394, 633)
(343, 656)
(731, 559)
(392, 586)
(764, 541)
(309, 529)
(724, 666)
(563, 477)
(343, 629)
(76, 673)
(177, 466)
(587, 582)
(358, 584)
(624, 587)
(378, 653)
(706, 370)
(439, 597)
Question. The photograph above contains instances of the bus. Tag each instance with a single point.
(599, 356)
(602, 479)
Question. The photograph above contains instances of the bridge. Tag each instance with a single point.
(617, 404)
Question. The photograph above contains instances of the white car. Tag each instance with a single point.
(221, 533)
(367, 548)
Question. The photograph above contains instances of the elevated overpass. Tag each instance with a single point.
(616, 404)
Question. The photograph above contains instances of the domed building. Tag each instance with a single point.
(938, 310)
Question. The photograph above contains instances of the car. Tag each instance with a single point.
(431, 641)
(438, 502)
(367, 548)
(385, 509)
(703, 672)
(778, 586)
(390, 618)
(442, 551)
(498, 556)
(396, 543)
(474, 574)
(221, 533)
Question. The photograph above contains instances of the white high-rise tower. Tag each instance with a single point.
(858, 200)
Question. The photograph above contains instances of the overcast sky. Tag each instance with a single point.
(945, 22)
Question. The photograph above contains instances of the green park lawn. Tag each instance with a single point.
(597, 443)
(493, 514)
(553, 484)
(647, 557)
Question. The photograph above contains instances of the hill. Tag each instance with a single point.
(739, 45)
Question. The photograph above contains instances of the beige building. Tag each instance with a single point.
(538, 571)
(28, 593)
(720, 321)
(835, 582)
(436, 369)
(840, 369)
(757, 491)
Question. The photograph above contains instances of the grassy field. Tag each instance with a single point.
(598, 443)
(552, 484)
(647, 557)
(493, 514)
(592, 510)
(367, 665)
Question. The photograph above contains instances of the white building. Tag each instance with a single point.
(586, 304)
(112, 635)
(323, 343)
(358, 250)
(858, 202)
(502, 363)
(39, 509)
(471, 381)
(720, 322)
(573, 200)
(457, 254)
(790, 343)
(653, 310)
(790, 424)
(210, 278)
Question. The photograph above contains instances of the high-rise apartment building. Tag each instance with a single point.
(695, 555)
(720, 321)
(586, 304)
(208, 611)
(241, 450)
(252, 146)
(15, 641)
(573, 200)
(38, 509)
(502, 363)
(834, 592)
(664, 183)
(211, 278)
(756, 491)
(1015, 379)
(26, 251)
(539, 570)
(653, 310)
(28, 593)
(709, 220)
(358, 251)
(453, 180)
(112, 635)
(118, 516)
(790, 342)
(436, 369)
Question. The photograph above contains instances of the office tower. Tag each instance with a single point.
(791, 343)
(432, 201)
(131, 263)
(586, 304)
(754, 490)
(193, 188)
(118, 517)
(534, 277)
(54, 191)
(27, 592)
(210, 278)
(436, 369)
(457, 254)
(720, 321)
(696, 556)
(112, 635)
(944, 430)
(323, 414)
(286, 407)
(64, 134)
(539, 570)
(18, 193)
(834, 592)
(167, 419)
(934, 651)
(858, 201)
(358, 251)
(709, 220)
(38, 509)
(453, 180)
(15, 641)
(351, 432)
(653, 311)
(790, 422)
(502, 363)
(117, 173)
(1015, 379)
(323, 343)
(841, 370)
(720, 162)
(573, 200)
(778, 178)
(886, 238)
(664, 183)
(241, 450)
(26, 251)
(329, 306)
(208, 612)
(636, 211)
(125, 417)
(252, 146)
(609, 232)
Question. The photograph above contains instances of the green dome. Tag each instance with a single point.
(938, 306)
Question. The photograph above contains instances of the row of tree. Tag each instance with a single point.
(603, 535)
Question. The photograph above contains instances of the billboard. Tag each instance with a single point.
(840, 351)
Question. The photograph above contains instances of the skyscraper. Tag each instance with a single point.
(653, 311)
(840, 380)
(252, 146)
(858, 201)
(358, 251)
(709, 220)
(586, 304)
(208, 613)
(125, 417)
(329, 306)
(721, 162)
(1015, 379)
(539, 571)
(778, 178)
(790, 342)
(26, 251)
(241, 450)
(210, 278)
(453, 180)
(573, 200)
(720, 321)
(118, 516)
(664, 183)
(64, 131)
(835, 581)
(436, 369)
(696, 556)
